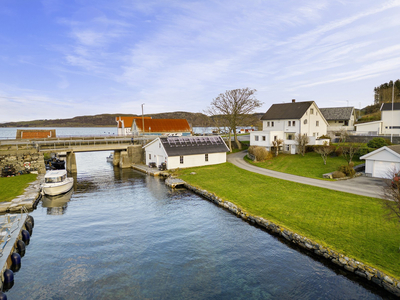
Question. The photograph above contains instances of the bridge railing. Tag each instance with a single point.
(69, 143)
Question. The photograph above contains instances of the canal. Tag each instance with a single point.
(125, 235)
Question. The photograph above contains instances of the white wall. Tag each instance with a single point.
(197, 160)
(369, 127)
(391, 120)
(309, 121)
(155, 153)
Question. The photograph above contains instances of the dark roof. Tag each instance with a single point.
(337, 113)
(395, 148)
(388, 106)
(193, 145)
(293, 110)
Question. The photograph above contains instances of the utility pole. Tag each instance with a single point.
(142, 120)
(391, 131)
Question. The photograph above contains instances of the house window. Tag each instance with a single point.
(256, 138)
(268, 124)
(289, 123)
(311, 111)
(287, 148)
(159, 145)
(263, 138)
(290, 136)
(272, 124)
(149, 156)
(317, 123)
(305, 121)
(293, 123)
(181, 159)
(206, 157)
(275, 137)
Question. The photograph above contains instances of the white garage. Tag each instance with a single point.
(383, 162)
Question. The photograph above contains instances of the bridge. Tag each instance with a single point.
(126, 149)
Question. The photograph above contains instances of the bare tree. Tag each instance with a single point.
(391, 193)
(234, 106)
(302, 140)
(324, 151)
(348, 151)
(276, 145)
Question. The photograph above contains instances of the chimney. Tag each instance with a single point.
(293, 100)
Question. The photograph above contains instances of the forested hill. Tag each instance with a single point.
(383, 93)
(105, 120)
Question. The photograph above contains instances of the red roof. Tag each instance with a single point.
(128, 121)
(163, 125)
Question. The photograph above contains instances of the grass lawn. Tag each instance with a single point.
(310, 165)
(350, 224)
(11, 187)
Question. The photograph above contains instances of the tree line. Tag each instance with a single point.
(383, 93)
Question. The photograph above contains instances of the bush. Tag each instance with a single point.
(251, 150)
(378, 142)
(339, 151)
(347, 170)
(338, 174)
(261, 154)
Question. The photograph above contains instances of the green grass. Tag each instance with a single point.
(350, 224)
(11, 187)
(311, 165)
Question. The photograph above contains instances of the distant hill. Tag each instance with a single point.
(108, 120)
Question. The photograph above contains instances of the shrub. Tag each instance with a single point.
(363, 150)
(339, 151)
(378, 142)
(338, 174)
(262, 154)
(251, 150)
(347, 170)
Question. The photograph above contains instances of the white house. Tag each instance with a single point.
(383, 162)
(389, 123)
(124, 124)
(186, 152)
(339, 118)
(284, 121)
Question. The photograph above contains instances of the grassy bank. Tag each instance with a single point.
(311, 165)
(11, 187)
(353, 225)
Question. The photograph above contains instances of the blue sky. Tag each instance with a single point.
(60, 59)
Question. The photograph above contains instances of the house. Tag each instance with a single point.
(383, 162)
(339, 118)
(170, 127)
(186, 152)
(389, 123)
(284, 121)
(124, 124)
(35, 133)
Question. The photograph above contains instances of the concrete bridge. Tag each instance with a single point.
(127, 150)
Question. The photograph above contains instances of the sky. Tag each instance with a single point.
(66, 58)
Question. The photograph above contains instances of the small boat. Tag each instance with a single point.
(110, 158)
(57, 205)
(56, 182)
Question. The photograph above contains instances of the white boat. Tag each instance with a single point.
(110, 158)
(56, 182)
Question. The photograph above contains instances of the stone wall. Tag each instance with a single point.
(23, 160)
(366, 139)
(387, 282)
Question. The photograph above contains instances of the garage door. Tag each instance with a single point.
(383, 169)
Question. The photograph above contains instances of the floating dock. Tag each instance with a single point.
(14, 235)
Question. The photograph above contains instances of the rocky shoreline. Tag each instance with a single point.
(372, 274)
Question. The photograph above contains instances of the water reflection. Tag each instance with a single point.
(57, 205)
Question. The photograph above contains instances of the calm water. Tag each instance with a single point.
(124, 235)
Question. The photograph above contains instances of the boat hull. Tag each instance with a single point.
(58, 188)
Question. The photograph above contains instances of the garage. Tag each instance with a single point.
(382, 162)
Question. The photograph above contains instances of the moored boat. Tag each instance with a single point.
(56, 182)
(110, 158)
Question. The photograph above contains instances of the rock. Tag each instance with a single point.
(192, 173)
(388, 279)
(348, 268)
(361, 274)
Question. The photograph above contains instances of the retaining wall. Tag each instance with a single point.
(23, 160)
(387, 282)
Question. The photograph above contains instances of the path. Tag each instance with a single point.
(364, 186)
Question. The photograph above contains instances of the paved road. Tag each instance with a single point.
(364, 186)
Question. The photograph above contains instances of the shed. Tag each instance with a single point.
(383, 162)
(186, 152)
